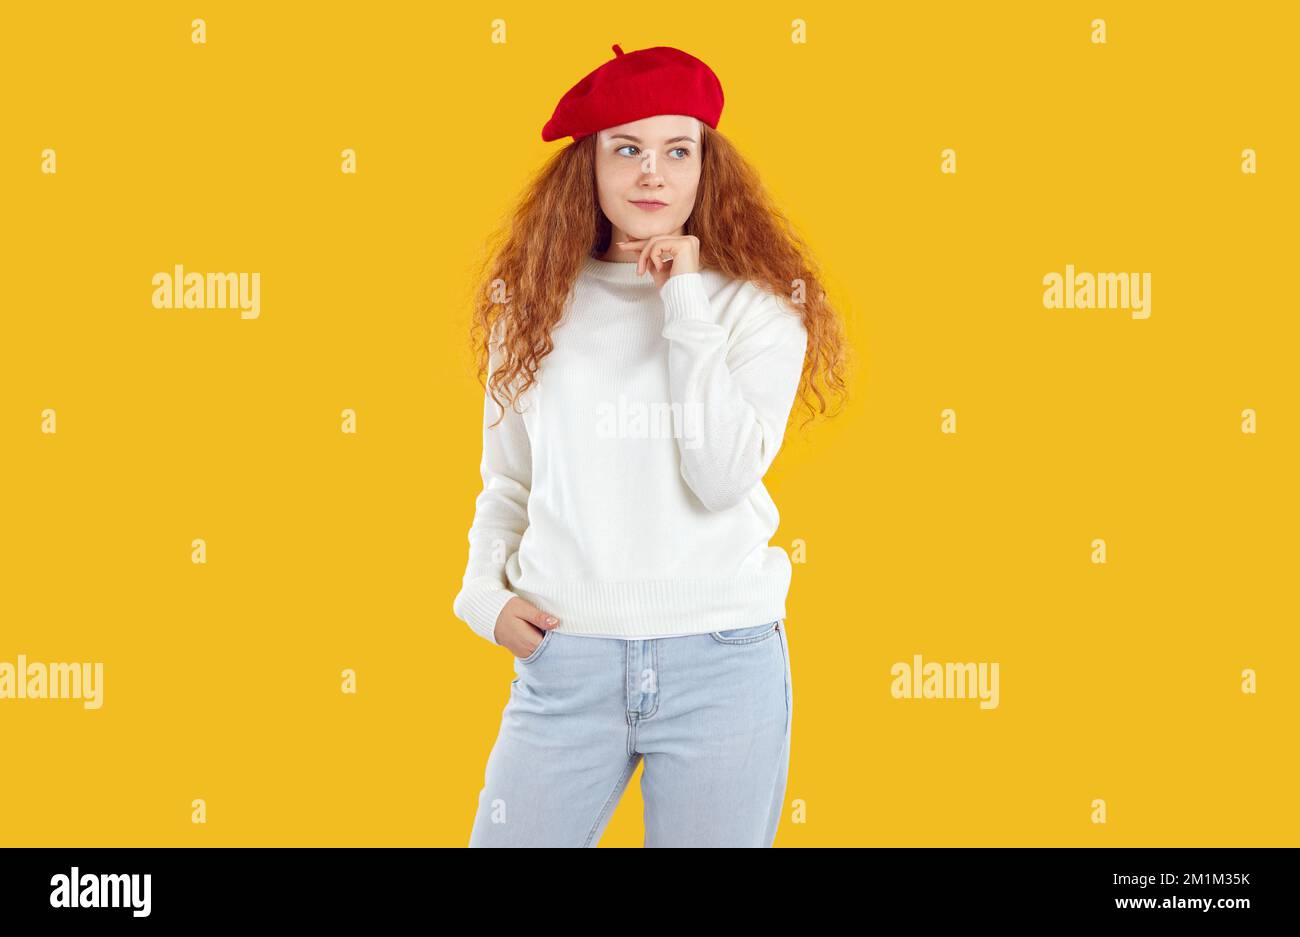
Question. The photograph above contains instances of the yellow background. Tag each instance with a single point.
(328, 551)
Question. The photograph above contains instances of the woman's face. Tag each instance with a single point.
(652, 160)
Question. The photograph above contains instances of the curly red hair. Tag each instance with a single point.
(531, 264)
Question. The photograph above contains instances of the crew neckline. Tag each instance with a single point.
(616, 271)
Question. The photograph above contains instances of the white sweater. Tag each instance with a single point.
(627, 497)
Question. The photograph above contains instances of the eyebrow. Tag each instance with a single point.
(628, 136)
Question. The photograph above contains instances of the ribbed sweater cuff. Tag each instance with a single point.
(480, 606)
(684, 297)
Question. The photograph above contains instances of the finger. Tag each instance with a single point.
(649, 244)
(534, 615)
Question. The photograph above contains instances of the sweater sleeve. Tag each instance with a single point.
(738, 387)
(500, 515)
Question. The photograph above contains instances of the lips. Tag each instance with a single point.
(649, 205)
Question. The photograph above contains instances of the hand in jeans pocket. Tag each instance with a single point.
(521, 627)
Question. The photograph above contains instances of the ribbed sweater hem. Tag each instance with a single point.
(662, 607)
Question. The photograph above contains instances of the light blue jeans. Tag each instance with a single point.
(710, 714)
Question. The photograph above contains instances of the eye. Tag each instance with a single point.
(626, 146)
(681, 149)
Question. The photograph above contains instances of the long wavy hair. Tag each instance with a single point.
(530, 265)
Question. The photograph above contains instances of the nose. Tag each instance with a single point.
(651, 179)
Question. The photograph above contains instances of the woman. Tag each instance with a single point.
(646, 323)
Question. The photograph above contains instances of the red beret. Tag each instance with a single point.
(633, 85)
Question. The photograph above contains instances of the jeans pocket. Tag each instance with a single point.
(541, 646)
(748, 635)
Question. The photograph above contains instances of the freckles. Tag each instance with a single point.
(614, 177)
